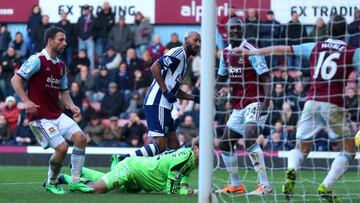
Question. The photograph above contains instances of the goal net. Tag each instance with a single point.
(278, 22)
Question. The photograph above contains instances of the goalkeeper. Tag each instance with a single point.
(168, 172)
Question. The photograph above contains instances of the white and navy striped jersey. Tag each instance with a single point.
(173, 69)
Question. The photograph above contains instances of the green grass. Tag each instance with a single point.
(24, 184)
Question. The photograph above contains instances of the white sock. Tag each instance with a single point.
(231, 164)
(53, 172)
(295, 159)
(257, 159)
(338, 167)
(77, 162)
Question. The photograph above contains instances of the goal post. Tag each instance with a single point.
(207, 109)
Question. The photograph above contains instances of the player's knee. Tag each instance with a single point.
(62, 148)
(79, 139)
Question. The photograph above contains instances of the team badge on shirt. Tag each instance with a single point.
(167, 61)
(51, 130)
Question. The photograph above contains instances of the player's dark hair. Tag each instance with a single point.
(195, 141)
(337, 27)
(51, 33)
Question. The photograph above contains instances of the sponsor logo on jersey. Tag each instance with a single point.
(167, 61)
(53, 82)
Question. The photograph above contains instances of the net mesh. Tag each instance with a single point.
(291, 82)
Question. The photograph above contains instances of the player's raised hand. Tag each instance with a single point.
(30, 107)
(75, 110)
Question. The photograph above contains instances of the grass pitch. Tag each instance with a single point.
(24, 184)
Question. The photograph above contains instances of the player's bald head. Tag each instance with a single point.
(191, 34)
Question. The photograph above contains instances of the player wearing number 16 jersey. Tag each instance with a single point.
(331, 63)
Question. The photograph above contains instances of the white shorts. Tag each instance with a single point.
(240, 117)
(51, 133)
(318, 115)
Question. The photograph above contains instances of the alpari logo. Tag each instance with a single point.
(53, 81)
(196, 10)
(233, 70)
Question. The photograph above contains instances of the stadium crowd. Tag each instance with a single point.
(109, 63)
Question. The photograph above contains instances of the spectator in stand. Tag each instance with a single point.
(156, 50)
(186, 105)
(65, 24)
(146, 63)
(19, 45)
(132, 61)
(222, 25)
(294, 33)
(270, 35)
(79, 62)
(187, 131)
(134, 130)
(319, 32)
(104, 22)
(113, 134)
(111, 60)
(5, 133)
(142, 33)
(86, 33)
(87, 111)
(95, 129)
(140, 82)
(252, 23)
(195, 68)
(112, 104)
(296, 98)
(38, 37)
(33, 24)
(23, 134)
(11, 113)
(354, 30)
(102, 84)
(136, 104)
(86, 81)
(277, 138)
(5, 39)
(75, 93)
(289, 120)
(123, 80)
(121, 37)
(278, 98)
(9, 63)
(352, 101)
(174, 41)
(195, 114)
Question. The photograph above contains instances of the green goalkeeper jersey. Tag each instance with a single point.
(163, 172)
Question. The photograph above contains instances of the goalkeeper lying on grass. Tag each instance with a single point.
(169, 172)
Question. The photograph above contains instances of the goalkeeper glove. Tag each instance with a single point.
(357, 139)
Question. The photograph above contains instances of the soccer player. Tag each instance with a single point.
(168, 71)
(45, 76)
(331, 63)
(249, 78)
(168, 172)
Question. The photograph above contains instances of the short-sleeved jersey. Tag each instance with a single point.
(45, 78)
(331, 63)
(173, 69)
(243, 73)
(163, 172)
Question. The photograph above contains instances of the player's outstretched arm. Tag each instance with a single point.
(183, 95)
(276, 50)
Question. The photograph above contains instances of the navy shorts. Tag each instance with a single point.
(159, 121)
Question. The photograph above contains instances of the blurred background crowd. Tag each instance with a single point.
(108, 71)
